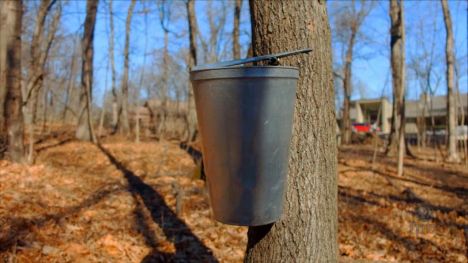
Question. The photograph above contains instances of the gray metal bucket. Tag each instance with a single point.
(245, 118)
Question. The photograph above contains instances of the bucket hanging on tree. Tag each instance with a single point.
(245, 116)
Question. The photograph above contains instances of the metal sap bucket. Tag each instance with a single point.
(245, 117)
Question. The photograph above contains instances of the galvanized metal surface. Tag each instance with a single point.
(245, 117)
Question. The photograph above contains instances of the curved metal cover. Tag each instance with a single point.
(245, 72)
(245, 117)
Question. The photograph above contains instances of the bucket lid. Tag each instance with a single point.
(246, 72)
(273, 58)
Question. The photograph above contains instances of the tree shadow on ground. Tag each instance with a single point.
(434, 171)
(422, 210)
(411, 241)
(408, 196)
(60, 143)
(14, 230)
(189, 248)
(431, 177)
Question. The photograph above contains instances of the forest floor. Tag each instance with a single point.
(128, 202)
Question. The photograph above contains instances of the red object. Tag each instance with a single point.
(362, 127)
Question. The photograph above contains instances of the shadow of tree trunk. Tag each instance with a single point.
(189, 247)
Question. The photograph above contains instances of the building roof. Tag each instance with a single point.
(370, 101)
(426, 106)
(432, 106)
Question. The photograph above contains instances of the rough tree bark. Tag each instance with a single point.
(123, 125)
(308, 230)
(12, 12)
(193, 31)
(4, 31)
(397, 46)
(114, 74)
(235, 31)
(451, 107)
(85, 129)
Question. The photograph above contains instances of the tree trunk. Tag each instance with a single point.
(397, 45)
(348, 23)
(103, 110)
(347, 84)
(44, 110)
(164, 88)
(70, 85)
(193, 31)
(235, 32)
(212, 47)
(39, 55)
(140, 84)
(308, 230)
(5, 33)
(124, 126)
(115, 115)
(85, 129)
(462, 112)
(13, 11)
(451, 107)
(423, 125)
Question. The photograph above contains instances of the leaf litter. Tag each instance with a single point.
(128, 202)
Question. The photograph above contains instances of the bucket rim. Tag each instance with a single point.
(245, 67)
(245, 72)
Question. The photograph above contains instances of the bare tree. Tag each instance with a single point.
(397, 46)
(422, 64)
(458, 76)
(38, 56)
(191, 117)
(113, 73)
(451, 107)
(235, 31)
(308, 230)
(103, 110)
(5, 31)
(71, 84)
(123, 122)
(216, 23)
(348, 23)
(85, 130)
(40, 49)
(140, 84)
(164, 19)
(11, 17)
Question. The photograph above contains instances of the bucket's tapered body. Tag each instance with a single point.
(245, 117)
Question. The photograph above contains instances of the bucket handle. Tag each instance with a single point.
(273, 58)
